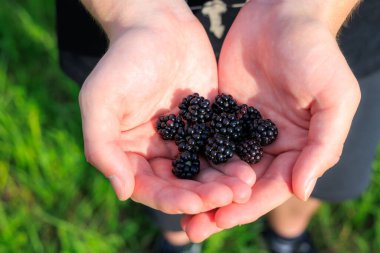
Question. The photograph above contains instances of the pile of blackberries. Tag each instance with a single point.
(216, 131)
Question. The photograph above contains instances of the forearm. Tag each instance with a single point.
(330, 13)
(115, 16)
(335, 12)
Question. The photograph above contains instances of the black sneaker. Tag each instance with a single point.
(278, 244)
(163, 246)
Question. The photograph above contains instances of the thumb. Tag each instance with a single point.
(101, 134)
(109, 159)
(329, 126)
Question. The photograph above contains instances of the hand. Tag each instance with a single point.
(282, 60)
(151, 64)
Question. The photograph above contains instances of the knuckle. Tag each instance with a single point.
(336, 154)
(355, 94)
(91, 156)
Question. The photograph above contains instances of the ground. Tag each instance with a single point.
(51, 200)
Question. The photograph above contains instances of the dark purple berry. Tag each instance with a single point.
(167, 126)
(186, 166)
(264, 131)
(195, 109)
(224, 103)
(219, 149)
(227, 125)
(192, 138)
(249, 151)
(246, 114)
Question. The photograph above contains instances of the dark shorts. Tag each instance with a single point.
(347, 180)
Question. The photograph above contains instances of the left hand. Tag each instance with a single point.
(150, 65)
(284, 61)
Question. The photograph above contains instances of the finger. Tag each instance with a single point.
(212, 193)
(215, 188)
(238, 169)
(240, 190)
(102, 149)
(185, 220)
(329, 127)
(167, 195)
(261, 167)
(201, 226)
(270, 191)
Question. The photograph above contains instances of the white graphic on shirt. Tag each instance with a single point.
(239, 5)
(214, 10)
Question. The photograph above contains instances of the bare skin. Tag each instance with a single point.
(288, 65)
(288, 54)
(151, 64)
(292, 218)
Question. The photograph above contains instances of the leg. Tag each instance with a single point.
(177, 238)
(292, 218)
(172, 238)
(287, 224)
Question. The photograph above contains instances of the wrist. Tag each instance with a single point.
(333, 13)
(329, 13)
(115, 17)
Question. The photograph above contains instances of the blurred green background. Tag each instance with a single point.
(51, 200)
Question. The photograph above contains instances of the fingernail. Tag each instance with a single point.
(117, 187)
(309, 188)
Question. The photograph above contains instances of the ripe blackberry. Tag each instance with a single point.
(195, 109)
(186, 101)
(167, 126)
(263, 130)
(247, 114)
(192, 138)
(224, 103)
(227, 125)
(186, 165)
(249, 151)
(219, 149)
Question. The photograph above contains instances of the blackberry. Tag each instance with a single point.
(247, 114)
(219, 149)
(186, 101)
(192, 138)
(167, 126)
(195, 109)
(250, 151)
(215, 131)
(227, 125)
(186, 166)
(263, 130)
(224, 103)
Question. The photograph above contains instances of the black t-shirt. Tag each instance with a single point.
(359, 39)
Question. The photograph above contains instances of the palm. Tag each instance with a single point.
(145, 73)
(294, 73)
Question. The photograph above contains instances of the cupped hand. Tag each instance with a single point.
(149, 67)
(282, 60)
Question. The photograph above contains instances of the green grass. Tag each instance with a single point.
(51, 200)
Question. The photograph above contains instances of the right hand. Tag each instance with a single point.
(151, 64)
(285, 61)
